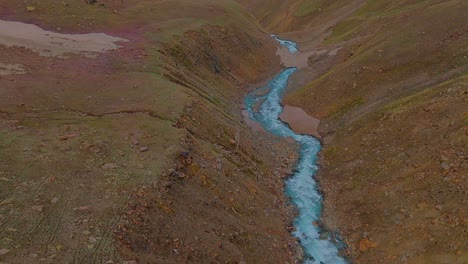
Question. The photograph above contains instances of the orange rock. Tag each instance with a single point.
(366, 244)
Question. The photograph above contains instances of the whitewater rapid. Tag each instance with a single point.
(264, 106)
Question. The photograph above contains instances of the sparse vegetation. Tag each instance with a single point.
(135, 151)
(90, 149)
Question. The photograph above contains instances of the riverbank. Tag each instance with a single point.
(264, 107)
(391, 104)
(138, 153)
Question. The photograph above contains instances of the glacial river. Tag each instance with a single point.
(264, 106)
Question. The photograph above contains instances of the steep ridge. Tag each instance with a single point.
(392, 102)
(292, 18)
(140, 154)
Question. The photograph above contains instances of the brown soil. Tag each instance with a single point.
(300, 121)
(393, 112)
(140, 153)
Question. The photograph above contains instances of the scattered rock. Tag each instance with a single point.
(144, 149)
(366, 244)
(323, 236)
(444, 165)
(7, 201)
(54, 200)
(109, 166)
(82, 209)
(69, 136)
(38, 208)
(30, 8)
(10, 69)
(4, 251)
(300, 254)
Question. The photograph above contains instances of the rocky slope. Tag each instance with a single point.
(138, 153)
(392, 102)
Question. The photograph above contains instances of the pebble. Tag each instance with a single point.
(38, 208)
(143, 149)
(7, 201)
(54, 200)
(323, 236)
(81, 208)
(109, 166)
(445, 165)
(366, 244)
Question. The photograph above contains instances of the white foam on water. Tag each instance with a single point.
(292, 46)
(301, 187)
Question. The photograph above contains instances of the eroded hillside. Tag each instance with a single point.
(137, 153)
(393, 107)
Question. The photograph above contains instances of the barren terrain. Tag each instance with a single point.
(122, 138)
(130, 146)
(392, 102)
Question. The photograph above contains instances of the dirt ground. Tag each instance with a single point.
(135, 151)
(392, 102)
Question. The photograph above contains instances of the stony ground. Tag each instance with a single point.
(392, 102)
(138, 154)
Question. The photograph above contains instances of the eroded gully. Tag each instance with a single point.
(264, 106)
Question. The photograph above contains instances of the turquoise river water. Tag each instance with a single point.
(264, 106)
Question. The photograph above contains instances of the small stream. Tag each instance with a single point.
(264, 106)
(290, 45)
